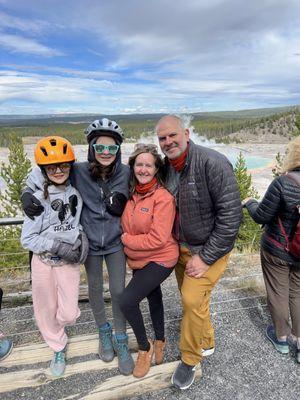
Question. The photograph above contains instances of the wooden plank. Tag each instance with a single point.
(37, 377)
(40, 352)
(118, 387)
(27, 295)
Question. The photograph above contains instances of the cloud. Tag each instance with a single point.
(21, 44)
(60, 71)
(47, 93)
(33, 87)
(154, 55)
(22, 24)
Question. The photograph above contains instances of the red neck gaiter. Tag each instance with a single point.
(146, 187)
(178, 163)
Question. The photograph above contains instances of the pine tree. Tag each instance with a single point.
(14, 176)
(279, 161)
(297, 122)
(249, 232)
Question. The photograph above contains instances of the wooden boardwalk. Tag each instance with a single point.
(116, 387)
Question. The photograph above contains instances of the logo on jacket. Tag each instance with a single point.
(64, 210)
(145, 209)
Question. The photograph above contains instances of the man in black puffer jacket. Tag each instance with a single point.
(209, 215)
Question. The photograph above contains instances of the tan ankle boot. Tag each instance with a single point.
(143, 362)
(159, 346)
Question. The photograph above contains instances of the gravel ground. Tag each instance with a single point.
(244, 366)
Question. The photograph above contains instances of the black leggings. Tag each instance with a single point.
(145, 282)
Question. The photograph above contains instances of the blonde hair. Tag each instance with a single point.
(292, 158)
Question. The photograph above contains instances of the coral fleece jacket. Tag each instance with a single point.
(147, 224)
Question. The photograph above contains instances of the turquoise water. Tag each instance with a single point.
(232, 153)
(251, 161)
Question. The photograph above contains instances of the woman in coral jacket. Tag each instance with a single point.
(151, 251)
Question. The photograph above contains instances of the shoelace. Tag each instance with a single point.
(141, 358)
(105, 338)
(123, 351)
(59, 357)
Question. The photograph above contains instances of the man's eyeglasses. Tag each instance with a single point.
(101, 148)
(51, 169)
(145, 146)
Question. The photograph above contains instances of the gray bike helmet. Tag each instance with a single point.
(104, 127)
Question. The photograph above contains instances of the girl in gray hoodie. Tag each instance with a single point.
(58, 244)
(103, 182)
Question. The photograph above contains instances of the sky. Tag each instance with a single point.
(141, 56)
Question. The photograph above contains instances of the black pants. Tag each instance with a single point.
(145, 282)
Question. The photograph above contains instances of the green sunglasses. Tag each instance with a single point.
(111, 148)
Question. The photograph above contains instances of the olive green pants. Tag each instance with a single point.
(196, 332)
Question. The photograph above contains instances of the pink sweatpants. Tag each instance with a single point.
(55, 293)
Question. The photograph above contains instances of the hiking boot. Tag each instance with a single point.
(281, 346)
(6, 346)
(125, 360)
(106, 349)
(58, 363)
(207, 352)
(159, 346)
(143, 362)
(183, 376)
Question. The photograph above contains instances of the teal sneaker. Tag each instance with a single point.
(6, 346)
(281, 346)
(106, 350)
(125, 360)
(58, 363)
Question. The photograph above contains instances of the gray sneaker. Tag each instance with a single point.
(125, 360)
(58, 363)
(183, 376)
(106, 349)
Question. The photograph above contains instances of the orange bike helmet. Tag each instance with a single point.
(53, 150)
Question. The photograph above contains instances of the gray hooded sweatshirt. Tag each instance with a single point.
(60, 219)
(102, 229)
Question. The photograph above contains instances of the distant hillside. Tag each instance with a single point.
(17, 120)
(275, 124)
(29, 120)
(278, 128)
(244, 114)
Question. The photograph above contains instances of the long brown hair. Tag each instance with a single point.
(101, 172)
(141, 148)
